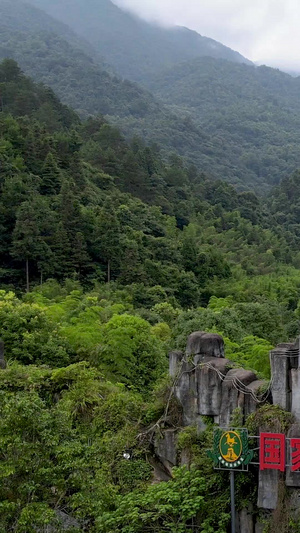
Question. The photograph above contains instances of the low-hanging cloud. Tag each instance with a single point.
(262, 30)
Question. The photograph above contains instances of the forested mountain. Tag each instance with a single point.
(82, 83)
(51, 53)
(67, 205)
(47, 176)
(125, 254)
(114, 249)
(135, 48)
(28, 98)
(42, 161)
(24, 18)
(251, 113)
(234, 121)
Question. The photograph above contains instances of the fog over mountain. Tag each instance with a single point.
(265, 31)
(134, 47)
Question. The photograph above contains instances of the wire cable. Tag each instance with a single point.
(236, 382)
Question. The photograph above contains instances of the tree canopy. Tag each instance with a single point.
(126, 254)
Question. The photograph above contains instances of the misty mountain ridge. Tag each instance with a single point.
(135, 48)
(89, 89)
(51, 53)
(234, 121)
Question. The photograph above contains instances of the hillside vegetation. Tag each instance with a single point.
(78, 202)
(251, 113)
(123, 254)
(51, 53)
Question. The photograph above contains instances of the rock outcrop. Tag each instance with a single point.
(208, 384)
(283, 359)
(202, 343)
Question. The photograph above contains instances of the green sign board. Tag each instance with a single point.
(230, 449)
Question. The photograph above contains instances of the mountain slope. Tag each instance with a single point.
(21, 97)
(77, 390)
(134, 47)
(233, 121)
(252, 112)
(23, 17)
(71, 202)
(51, 53)
(81, 83)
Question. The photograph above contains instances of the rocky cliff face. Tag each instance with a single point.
(206, 384)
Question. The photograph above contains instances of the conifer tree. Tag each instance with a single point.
(106, 242)
(51, 176)
(33, 223)
(80, 255)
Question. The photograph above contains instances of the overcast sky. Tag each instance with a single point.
(266, 31)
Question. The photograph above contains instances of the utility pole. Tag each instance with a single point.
(233, 529)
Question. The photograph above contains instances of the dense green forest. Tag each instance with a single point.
(27, 19)
(110, 257)
(52, 57)
(52, 54)
(253, 110)
(234, 121)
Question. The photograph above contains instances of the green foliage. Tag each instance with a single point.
(162, 331)
(243, 149)
(166, 312)
(187, 438)
(167, 506)
(62, 441)
(253, 352)
(241, 129)
(130, 351)
(271, 418)
(65, 216)
(236, 420)
(29, 336)
(20, 97)
(250, 329)
(127, 254)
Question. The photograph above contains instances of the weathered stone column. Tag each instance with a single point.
(209, 381)
(185, 391)
(245, 521)
(201, 343)
(283, 358)
(250, 405)
(231, 396)
(175, 359)
(165, 447)
(295, 394)
(268, 482)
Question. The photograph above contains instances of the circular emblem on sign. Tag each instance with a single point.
(231, 447)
